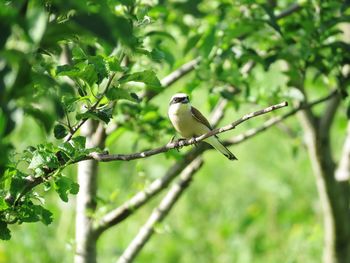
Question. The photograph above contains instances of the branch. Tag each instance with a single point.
(328, 115)
(180, 72)
(290, 10)
(254, 131)
(161, 211)
(343, 170)
(127, 157)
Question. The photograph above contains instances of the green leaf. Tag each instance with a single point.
(44, 157)
(191, 43)
(78, 142)
(162, 34)
(100, 67)
(64, 186)
(114, 64)
(45, 216)
(17, 185)
(5, 233)
(3, 204)
(157, 55)
(117, 94)
(84, 71)
(78, 53)
(103, 115)
(67, 148)
(67, 70)
(69, 103)
(207, 43)
(148, 77)
(34, 213)
(60, 131)
(38, 160)
(89, 75)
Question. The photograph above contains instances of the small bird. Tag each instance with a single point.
(189, 122)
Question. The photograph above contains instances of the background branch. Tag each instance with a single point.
(290, 10)
(342, 172)
(161, 211)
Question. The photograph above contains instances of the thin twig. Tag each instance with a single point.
(77, 127)
(161, 211)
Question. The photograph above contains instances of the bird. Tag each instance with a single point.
(190, 122)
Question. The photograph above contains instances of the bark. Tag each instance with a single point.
(343, 171)
(333, 194)
(85, 236)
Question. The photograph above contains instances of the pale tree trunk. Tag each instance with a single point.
(86, 199)
(332, 193)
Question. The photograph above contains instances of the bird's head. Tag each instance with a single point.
(181, 98)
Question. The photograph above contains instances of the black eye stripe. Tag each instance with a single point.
(179, 99)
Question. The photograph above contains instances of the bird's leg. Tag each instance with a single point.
(177, 142)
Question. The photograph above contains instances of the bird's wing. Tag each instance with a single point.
(199, 117)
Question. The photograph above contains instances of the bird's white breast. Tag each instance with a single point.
(181, 117)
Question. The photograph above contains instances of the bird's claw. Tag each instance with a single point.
(178, 144)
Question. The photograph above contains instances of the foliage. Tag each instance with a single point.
(64, 63)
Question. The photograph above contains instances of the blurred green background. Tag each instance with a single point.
(262, 208)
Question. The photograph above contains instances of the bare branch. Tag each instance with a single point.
(290, 10)
(127, 157)
(343, 170)
(129, 207)
(180, 72)
(161, 211)
(327, 117)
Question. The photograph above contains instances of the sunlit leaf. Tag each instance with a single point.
(60, 131)
(64, 186)
(148, 77)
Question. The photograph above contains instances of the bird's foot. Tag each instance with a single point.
(179, 144)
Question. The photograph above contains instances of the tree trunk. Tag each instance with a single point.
(333, 194)
(86, 199)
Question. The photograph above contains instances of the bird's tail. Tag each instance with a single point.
(214, 141)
